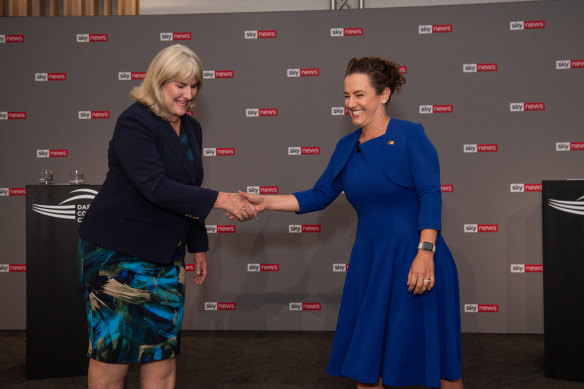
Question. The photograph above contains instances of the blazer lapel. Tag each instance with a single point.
(343, 152)
(177, 148)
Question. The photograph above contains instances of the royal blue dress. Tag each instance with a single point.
(383, 330)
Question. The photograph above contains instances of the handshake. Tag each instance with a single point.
(240, 206)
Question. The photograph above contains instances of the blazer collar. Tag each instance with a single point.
(176, 145)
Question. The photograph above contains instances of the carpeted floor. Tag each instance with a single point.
(283, 360)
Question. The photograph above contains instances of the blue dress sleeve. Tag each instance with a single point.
(325, 190)
(425, 172)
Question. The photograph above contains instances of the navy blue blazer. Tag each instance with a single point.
(411, 161)
(151, 199)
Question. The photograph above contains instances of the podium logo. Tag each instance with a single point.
(521, 107)
(302, 228)
(259, 267)
(257, 34)
(212, 74)
(10, 268)
(12, 115)
(569, 146)
(11, 38)
(305, 306)
(298, 150)
(126, 76)
(521, 25)
(94, 115)
(257, 112)
(263, 189)
(475, 308)
(573, 207)
(344, 31)
(564, 64)
(434, 29)
(176, 36)
(12, 192)
(475, 228)
(52, 153)
(215, 306)
(482, 148)
(72, 208)
(313, 72)
(218, 151)
(516, 188)
(426, 109)
(86, 38)
(339, 111)
(340, 267)
(446, 188)
(220, 229)
(50, 77)
(479, 67)
(522, 268)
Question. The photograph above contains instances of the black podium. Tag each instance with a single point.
(56, 323)
(563, 278)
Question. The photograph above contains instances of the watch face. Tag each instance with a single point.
(427, 246)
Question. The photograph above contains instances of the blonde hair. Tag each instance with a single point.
(173, 63)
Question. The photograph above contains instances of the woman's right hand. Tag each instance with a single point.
(236, 206)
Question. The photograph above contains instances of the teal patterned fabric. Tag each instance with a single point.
(185, 141)
(134, 307)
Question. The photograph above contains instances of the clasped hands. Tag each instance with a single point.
(241, 206)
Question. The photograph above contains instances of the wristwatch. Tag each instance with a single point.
(427, 246)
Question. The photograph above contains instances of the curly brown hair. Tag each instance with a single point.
(383, 73)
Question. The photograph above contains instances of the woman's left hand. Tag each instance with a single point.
(421, 275)
(200, 268)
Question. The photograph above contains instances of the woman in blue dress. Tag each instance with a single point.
(399, 321)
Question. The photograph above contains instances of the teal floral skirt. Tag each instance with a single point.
(134, 307)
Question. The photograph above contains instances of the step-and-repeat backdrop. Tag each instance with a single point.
(498, 88)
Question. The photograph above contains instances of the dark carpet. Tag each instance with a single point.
(262, 360)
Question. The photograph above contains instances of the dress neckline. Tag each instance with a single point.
(377, 137)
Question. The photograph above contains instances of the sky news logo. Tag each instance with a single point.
(215, 306)
(219, 151)
(260, 34)
(522, 268)
(475, 228)
(344, 31)
(257, 112)
(12, 192)
(522, 107)
(86, 38)
(570, 64)
(520, 188)
(482, 148)
(340, 267)
(263, 189)
(426, 109)
(339, 111)
(84, 115)
(313, 72)
(12, 268)
(52, 153)
(475, 308)
(213, 74)
(434, 29)
(569, 146)
(12, 115)
(176, 36)
(479, 67)
(403, 69)
(446, 188)
(50, 76)
(127, 76)
(305, 306)
(299, 150)
(520, 25)
(259, 267)
(303, 228)
(217, 229)
(11, 38)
